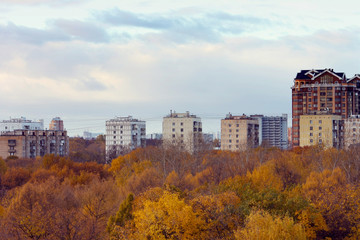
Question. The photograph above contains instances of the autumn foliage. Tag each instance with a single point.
(166, 193)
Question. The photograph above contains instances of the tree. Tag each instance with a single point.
(261, 225)
(337, 201)
(168, 218)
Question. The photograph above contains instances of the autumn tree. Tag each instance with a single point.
(261, 225)
(168, 218)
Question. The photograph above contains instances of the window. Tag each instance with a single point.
(320, 128)
(182, 124)
(229, 130)
(230, 141)
(229, 125)
(237, 125)
(311, 121)
(311, 140)
(311, 134)
(173, 135)
(320, 141)
(182, 135)
(311, 128)
(237, 135)
(319, 134)
(114, 137)
(173, 129)
(320, 121)
(173, 124)
(181, 130)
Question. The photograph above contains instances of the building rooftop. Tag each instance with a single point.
(180, 115)
(124, 119)
(310, 74)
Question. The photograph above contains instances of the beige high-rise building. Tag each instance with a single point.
(320, 128)
(184, 129)
(239, 133)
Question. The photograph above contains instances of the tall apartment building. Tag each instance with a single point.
(184, 129)
(20, 123)
(273, 130)
(323, 90)
(32, 143)
(323, 129)
(56, 124)
(123, 134)
(352, 131)
(239, 133)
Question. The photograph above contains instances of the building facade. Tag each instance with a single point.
(20, 123)
(273, 131)
(32, 143)
(352, 131)
(323, 129)
(239, 133)
(124, 134)
(326, 91)
(56, 124)
(183, 129)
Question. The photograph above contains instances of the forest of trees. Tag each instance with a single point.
(166, 193)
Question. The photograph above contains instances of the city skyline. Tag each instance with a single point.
(89, 61)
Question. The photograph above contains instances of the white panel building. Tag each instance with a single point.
(184, 129)
(20, 123)
(124, 134)
(273, 130)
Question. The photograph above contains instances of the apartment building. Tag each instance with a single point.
(323, 90)
(239, 133)
(184, 129)
(20, 123)
(124, 134)
(56, 124)
(325, 129)
(25, 143)
(273, 131)
(352, 131)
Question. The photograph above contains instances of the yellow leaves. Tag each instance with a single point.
(319, 184)
(167, 218)
(261, 225)
(264, 177)
(2, 211)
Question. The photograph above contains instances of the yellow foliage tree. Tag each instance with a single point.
(261, 225)
(337, 201)
(265, 177)
(167, 218)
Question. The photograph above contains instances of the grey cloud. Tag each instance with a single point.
(125, 18)
(13, 33)
(91, 84)
(55, 3)
(59, 30)
(205, 27)
(81, 30)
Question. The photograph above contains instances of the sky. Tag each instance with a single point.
(87, 61)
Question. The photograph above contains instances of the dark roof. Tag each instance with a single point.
(302, 73)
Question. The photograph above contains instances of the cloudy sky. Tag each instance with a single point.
(91, 60)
